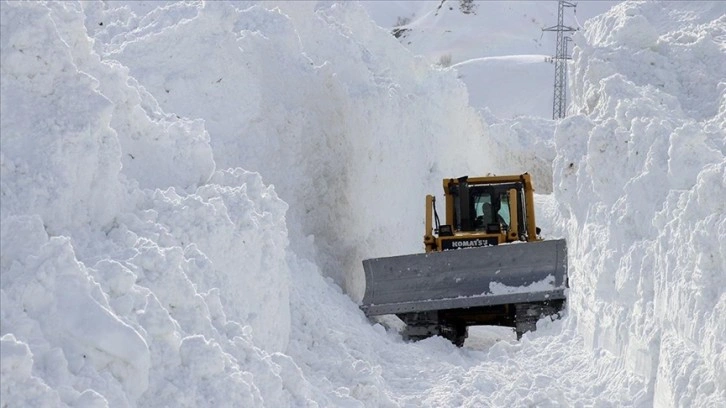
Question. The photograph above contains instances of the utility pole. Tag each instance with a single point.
(559, 103)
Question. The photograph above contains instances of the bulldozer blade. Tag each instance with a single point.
(465, 278)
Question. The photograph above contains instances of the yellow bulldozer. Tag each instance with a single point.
(486, 265)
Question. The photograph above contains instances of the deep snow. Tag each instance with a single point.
(186, 187)
(498, 47)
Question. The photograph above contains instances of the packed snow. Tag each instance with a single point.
(188, 190)
(498, 288)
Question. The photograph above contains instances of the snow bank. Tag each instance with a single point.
(326, 106)
(639, 181)
(68, 170)
(140, 265)
(524, 145)
(133, 274)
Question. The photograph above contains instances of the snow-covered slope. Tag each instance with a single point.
(497, 48)
(185, 188)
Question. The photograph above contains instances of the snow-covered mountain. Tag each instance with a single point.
(497, 47)
(188, 189)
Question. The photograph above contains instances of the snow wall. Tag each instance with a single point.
(640, 185)
(330, 126)
(148, 261)
(141, 264)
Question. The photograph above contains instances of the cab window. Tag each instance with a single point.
(503, 212)
(483, 211)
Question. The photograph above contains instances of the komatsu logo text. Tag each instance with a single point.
(468, 243)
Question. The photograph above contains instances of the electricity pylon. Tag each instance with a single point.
(559, 102)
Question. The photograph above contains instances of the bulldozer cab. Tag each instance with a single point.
(489, 210)
(481, 211)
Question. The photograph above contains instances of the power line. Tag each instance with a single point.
(559, 102)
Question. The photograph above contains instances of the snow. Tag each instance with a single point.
(499, 49)
(498, 288)
(188, 189)
(650, 247)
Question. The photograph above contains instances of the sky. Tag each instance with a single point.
(188, 190)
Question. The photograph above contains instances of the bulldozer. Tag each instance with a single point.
(486, 265)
